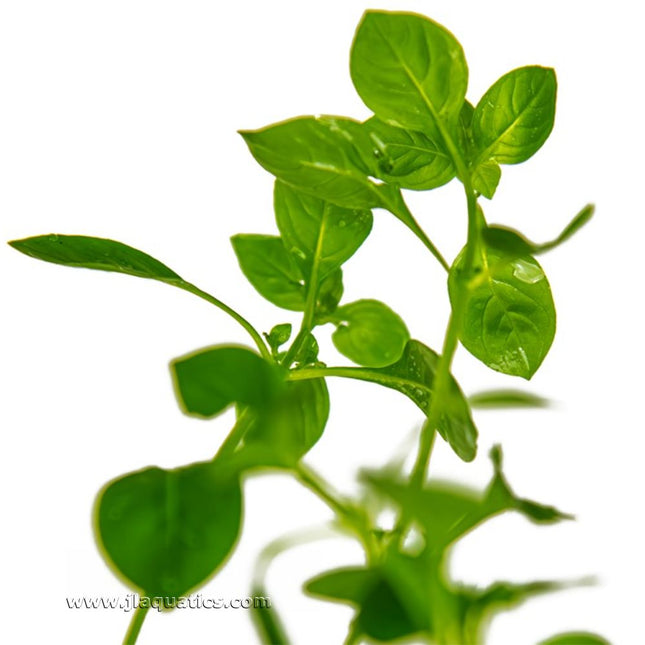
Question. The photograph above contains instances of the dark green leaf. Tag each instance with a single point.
(316, 231)
(513, 243)
(407, 158)
(508, 321)
(369, 333)
(381, 613)
(328, 157)
(409, 71)
(413, 375)
(486, 177)
(209, 380)
(95, 253)
(465, 138)
(286, 429)
(515, 116)
(576, 638)
(278, 336)
(496, 399)
(448, 511)
(168, 531)
(271, 270)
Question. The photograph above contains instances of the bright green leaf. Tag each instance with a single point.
(515, 116)
(271, 270)
(278, 336)
(314, 230)
(328, 157)
(209, 380)
(329, 294)
(369, 333)
(496, 399)
(486, 177)
(576, 638)
(408, 159)
(95, 253)
(409, 71)
(167, 531)
(508, 321)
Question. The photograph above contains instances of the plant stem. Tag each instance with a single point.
(397, 206)
(235, 435)
(312, 291)
(135, 624)
(314, 482)
(255, 335)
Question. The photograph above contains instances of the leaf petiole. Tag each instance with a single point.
(136, 623)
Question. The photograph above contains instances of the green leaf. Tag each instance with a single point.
(486, 177)
(209, 380)
(576, 638)
(381, 613)
(513, 243)
(95, 253)
(278, 336)
(289, 426)
(515, 116)
(409, 71)
(448, 512)
(316, 231)
(369, 333)
(407, 158)
(271, 270)
(508, 321)
(413, 375)
(329, 294)
(496, 399)
(328, 157)
(167, 531)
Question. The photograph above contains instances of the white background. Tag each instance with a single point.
(118, 119)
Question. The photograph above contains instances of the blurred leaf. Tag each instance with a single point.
(515, 116)
(369, 333)
(407, 158)
(167, 531)
(513, 243)
(318, 232)
(496, 399)
(285, 429)
(400, 64)
(209, 380)
(95, 253)
(508, 321)
(448, 511)
(271, 270)
(576, 638)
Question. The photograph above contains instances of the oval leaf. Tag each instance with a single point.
(95, 253)
(209, 380)
(401, 64)
(486, 177)
(508, 321)
(271, 270)
(515, 116)
(318, 232)
(407, 158)
(168, 531)
(369, 333)
(576, 638)
(284, 431)
(328, 157)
